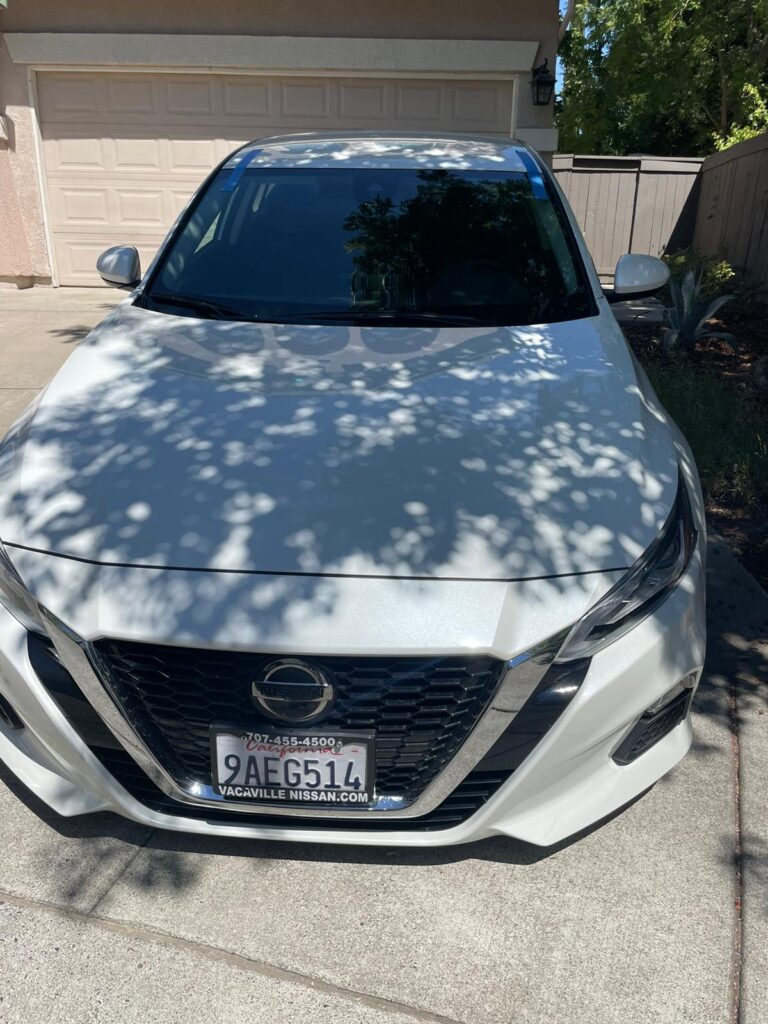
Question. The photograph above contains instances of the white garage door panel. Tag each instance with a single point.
(77, 259)
(123, 152)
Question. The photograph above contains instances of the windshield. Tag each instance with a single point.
(359, 244)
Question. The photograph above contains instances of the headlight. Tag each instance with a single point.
(15, 596)
(642, 589)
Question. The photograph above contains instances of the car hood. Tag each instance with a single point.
(489, 453)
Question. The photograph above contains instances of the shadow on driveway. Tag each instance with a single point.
(166, 851)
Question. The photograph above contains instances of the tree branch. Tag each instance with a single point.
(710, 117)
(567, 18)
(723, 91)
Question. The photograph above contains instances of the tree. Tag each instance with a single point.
(670, 77)
(400, 248)
(755, 119)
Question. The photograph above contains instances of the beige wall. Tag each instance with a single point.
(427, 19)
(23, 247)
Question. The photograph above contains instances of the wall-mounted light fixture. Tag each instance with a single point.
(542, 85)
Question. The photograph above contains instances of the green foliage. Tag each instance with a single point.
(729, 436)
(662, 76)
(689, 313)
(716, 274)
(755, 120)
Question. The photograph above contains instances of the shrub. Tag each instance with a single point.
(716, 273)
(688, 315)
(728, 435)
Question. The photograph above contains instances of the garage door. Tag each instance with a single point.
(123, 152)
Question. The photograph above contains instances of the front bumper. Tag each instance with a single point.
(568, 782)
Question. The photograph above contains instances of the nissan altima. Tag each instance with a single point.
(356, 520)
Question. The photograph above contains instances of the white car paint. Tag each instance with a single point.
(637, 272)
(300, 490)
(158, 444)
(567, 784)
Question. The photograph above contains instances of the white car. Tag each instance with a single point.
(356, 521)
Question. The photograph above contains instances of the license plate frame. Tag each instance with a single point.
(282, 746)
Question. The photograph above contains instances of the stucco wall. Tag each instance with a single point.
(23, 249)
(430, 19)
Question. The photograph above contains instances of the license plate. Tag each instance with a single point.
(317, 769)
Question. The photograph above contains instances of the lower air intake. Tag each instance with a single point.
(651, 728)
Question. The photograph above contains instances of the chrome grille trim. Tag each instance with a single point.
(520, 678)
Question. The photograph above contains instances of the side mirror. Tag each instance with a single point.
(637, 276)
(120, 266)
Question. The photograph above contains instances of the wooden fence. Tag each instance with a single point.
(732, 217)
(630, 204)
(719, 206)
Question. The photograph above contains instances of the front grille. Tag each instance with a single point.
(534, 720)
(421, 709)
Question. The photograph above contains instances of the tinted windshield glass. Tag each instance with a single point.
(287, 244)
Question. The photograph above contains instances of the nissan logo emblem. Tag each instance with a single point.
(292, 691)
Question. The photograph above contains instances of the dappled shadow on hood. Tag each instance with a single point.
(493, 453)
(433, 454)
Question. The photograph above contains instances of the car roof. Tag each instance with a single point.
(384, 149)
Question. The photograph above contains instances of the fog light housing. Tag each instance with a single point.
(659, 719)
(686, 684)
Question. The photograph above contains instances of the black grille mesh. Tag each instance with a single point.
(468, 797)
(652, 728)
(421, 709)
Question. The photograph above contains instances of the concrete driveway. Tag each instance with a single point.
(659, 915)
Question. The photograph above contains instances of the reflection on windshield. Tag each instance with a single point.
(368, 243)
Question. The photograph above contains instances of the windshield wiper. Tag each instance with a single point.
(388, 317)
(355, 316)
(201, 306)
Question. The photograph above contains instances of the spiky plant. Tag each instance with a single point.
(688, 316)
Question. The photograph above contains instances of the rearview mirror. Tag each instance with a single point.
(120, 266)
(637, 276)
